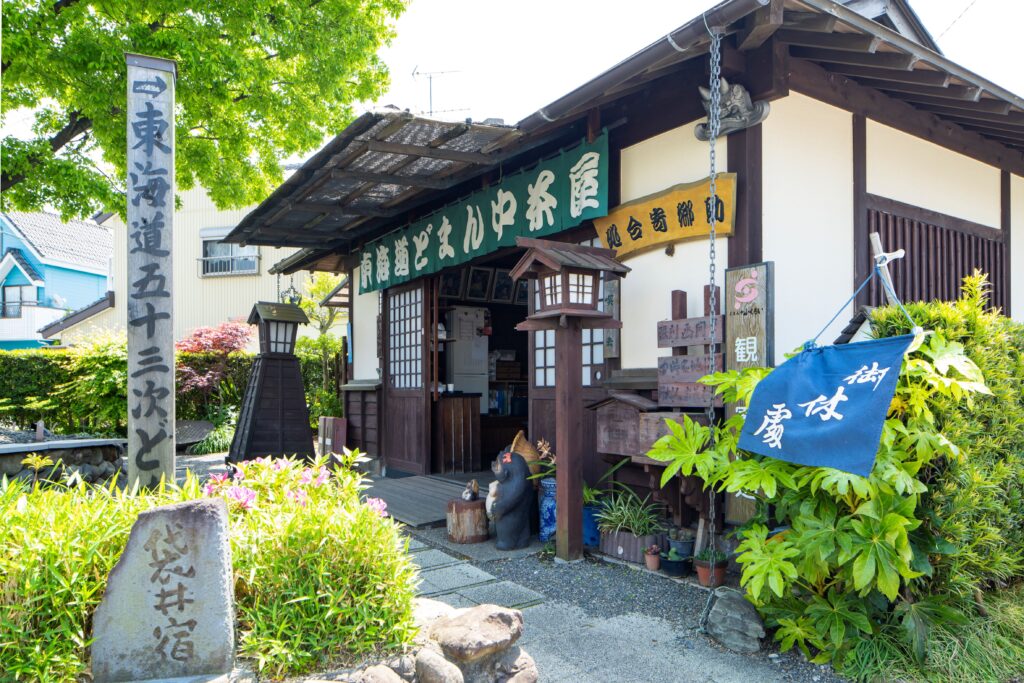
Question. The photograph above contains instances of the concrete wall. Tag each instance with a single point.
(650, 166)
(1017, 246)
(198, 301)
(364, 332)
(915, 171)
(808, 217)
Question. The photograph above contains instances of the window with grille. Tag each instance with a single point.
(224, 258)
(405, 339)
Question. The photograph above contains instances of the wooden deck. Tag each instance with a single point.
(416, 501)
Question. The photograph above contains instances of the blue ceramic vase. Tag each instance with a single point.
(548, 518)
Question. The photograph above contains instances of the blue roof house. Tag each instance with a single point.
(48, 267)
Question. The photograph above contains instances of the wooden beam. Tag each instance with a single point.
(943, 220)
(1005, 227)
(569, 440)
(427, 151)
(965, 93)
(1012, 118)
(343, 210)
(809, 21)
(854, 42)
(759, 26)
(388, 179)
(983, 126)
(861, 244)
(878, 60)
(916, 76)
(985, 105)
(744, 158)
(837, 90)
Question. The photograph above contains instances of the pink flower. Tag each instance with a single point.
(378, 505)
(239, 474)
(209, 490)
(279, 464)
(265, 460)
(298, 496)
(322, 475)
(220, 478)
(245, 497)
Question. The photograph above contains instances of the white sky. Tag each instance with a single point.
(508, 59)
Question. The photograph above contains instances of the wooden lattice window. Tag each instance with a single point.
(941, 251)
(405, 338)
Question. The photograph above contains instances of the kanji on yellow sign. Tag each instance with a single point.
(681, 212)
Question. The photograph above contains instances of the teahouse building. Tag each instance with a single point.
(868, 128)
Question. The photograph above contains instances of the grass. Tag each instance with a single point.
(984, 649)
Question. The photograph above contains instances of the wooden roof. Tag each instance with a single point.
(340, 296)
(269, 310)
(385, 166)
(558, 255)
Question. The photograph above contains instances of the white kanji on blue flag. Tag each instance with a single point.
(826, 406)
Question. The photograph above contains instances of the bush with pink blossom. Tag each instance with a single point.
(322, 576)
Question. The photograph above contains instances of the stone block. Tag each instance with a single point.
(168, 608)
(734, 622)
(477, 632)
(379, 674)
(431, 667)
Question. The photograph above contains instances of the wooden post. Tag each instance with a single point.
(569, 439)
(150, 189)
(678, 313)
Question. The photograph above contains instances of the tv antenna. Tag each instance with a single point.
(430, 83)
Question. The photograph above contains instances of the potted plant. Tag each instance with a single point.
(674, 564)
(546, 469)
(628, 524)
(681, 540)
(711, 564)
(652, 557)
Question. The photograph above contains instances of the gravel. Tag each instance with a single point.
(618, 593)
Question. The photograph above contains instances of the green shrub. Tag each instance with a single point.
(624, 510)
(898, 555)
(320, 577)
(217, 441)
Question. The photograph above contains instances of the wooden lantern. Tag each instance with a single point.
(275, 418)
(568, 280)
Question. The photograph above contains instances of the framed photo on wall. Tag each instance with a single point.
(452, 283)
(479, 286)
(522, 292)
(504, 287)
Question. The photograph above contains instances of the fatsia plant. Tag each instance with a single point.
(832, 556)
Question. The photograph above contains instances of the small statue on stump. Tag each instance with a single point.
(512, 502)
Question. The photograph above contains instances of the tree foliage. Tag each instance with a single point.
(258, 81)
(832, 556)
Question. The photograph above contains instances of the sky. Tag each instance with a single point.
(501, 59)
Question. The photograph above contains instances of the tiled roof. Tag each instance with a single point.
(23, 263)
(74, 242)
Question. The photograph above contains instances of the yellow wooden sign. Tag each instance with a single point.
(679, 213)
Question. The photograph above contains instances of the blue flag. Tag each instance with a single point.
(826, 406)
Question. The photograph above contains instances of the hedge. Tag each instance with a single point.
(28, 375)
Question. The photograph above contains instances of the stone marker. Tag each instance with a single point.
(734, 622)
(168, 610)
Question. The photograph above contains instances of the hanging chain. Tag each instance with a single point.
(714, 126)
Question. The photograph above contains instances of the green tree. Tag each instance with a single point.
(317, 287)
(258, 81)
(328, 346)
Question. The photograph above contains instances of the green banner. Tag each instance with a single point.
(554, 195)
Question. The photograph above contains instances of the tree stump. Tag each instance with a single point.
(467, 521)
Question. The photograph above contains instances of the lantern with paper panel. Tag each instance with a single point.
(569, 287)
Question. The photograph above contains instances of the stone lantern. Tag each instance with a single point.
(275, 419)
(568, 280)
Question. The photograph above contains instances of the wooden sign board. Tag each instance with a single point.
(653, 427)
(688, 332)
(678, 213)
(685, 368)
(750, 316)
(618, 427)
(612, 337)
(685, 395)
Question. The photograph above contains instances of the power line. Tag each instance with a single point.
(958, 18)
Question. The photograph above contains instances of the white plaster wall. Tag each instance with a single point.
(673, 157)
(808, 217)
(1017, 247)
(915, 171)
(364, 332)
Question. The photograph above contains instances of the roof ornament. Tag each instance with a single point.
(738, 110)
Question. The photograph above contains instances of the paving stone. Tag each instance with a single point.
(504, 593)
(452, 578)
(428, 559)
(457, 600)
(415, 545)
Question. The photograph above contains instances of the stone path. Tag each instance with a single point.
(455, 581)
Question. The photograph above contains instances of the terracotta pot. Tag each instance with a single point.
(653, 562)
(705, 575)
